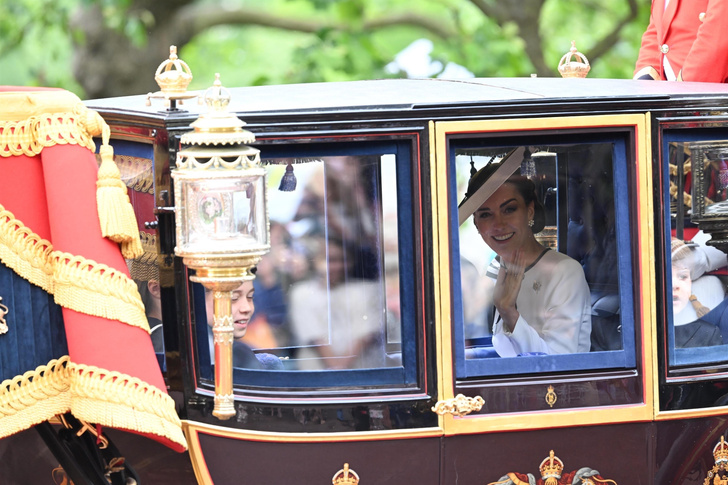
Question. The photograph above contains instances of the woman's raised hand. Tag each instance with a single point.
(506, 290)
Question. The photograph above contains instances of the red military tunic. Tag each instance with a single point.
(692, 35)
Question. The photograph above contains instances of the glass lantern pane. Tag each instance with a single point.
(226, 214)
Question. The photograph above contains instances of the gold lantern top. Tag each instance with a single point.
(218, 140)
(574, 68)
(217, 126)
(220, 190)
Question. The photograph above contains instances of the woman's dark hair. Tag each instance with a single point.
(523, 185)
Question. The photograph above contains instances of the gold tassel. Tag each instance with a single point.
(116, 214)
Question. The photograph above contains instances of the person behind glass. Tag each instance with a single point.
(690, 329)
(336, 318)
(541, 297)
(242, 309)
(150, 293)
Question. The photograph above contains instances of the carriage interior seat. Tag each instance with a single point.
(606, 325)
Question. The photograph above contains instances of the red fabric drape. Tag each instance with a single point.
(54, 195)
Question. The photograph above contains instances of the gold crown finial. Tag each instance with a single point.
(173, 75)
(574, 68)
(217, 126)
(345, 476)
(551, 469)
(217, 97)
(720, 453)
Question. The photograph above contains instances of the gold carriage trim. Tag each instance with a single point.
(121, 401)
(76, 283)
(91, 394)
(33, 120)
(146, 266)
(34, 397)
(460, 405)
(136, 172)
(31, 134)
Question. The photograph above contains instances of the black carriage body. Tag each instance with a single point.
(638, 411)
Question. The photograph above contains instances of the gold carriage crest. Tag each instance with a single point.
(345, 476)
(719, 474)
(552, 473)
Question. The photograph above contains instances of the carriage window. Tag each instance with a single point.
(326, 308)
(697, 330)
(544, 267)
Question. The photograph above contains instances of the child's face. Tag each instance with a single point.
(242, 308)
(681, 287)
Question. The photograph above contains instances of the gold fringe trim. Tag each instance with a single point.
(145, 267)
(32, 121)
(97, 289)
(76, 283)
(121, 401)
(34, 397)
(25, 252)
(30, 136)
(136, 172)
(92, 394)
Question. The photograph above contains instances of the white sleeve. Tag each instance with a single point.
(707, 258)
(565, 313)
(523, 339)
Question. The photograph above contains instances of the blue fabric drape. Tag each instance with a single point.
(35, 333)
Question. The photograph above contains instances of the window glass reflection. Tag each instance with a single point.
(696, 283)
(688, 309)
(152, 274)
(567, 299)
(326, 296)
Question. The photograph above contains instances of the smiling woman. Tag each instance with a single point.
(541, 297)
(543, 293)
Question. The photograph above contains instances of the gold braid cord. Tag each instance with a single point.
(32, 121)
(75, 282)
(91, 394)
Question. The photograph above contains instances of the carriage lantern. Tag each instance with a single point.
(221, 218)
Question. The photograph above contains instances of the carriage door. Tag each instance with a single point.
(505, 410)
(692, 316)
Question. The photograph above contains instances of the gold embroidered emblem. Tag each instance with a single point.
(345, 476)
(552, 473)
(719, 474)
(551, 396)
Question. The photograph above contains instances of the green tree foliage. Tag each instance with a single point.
(112, 47)
(35, 43)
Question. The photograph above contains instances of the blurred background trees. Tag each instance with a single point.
(99, 48)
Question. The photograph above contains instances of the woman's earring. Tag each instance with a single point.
(530, 223)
